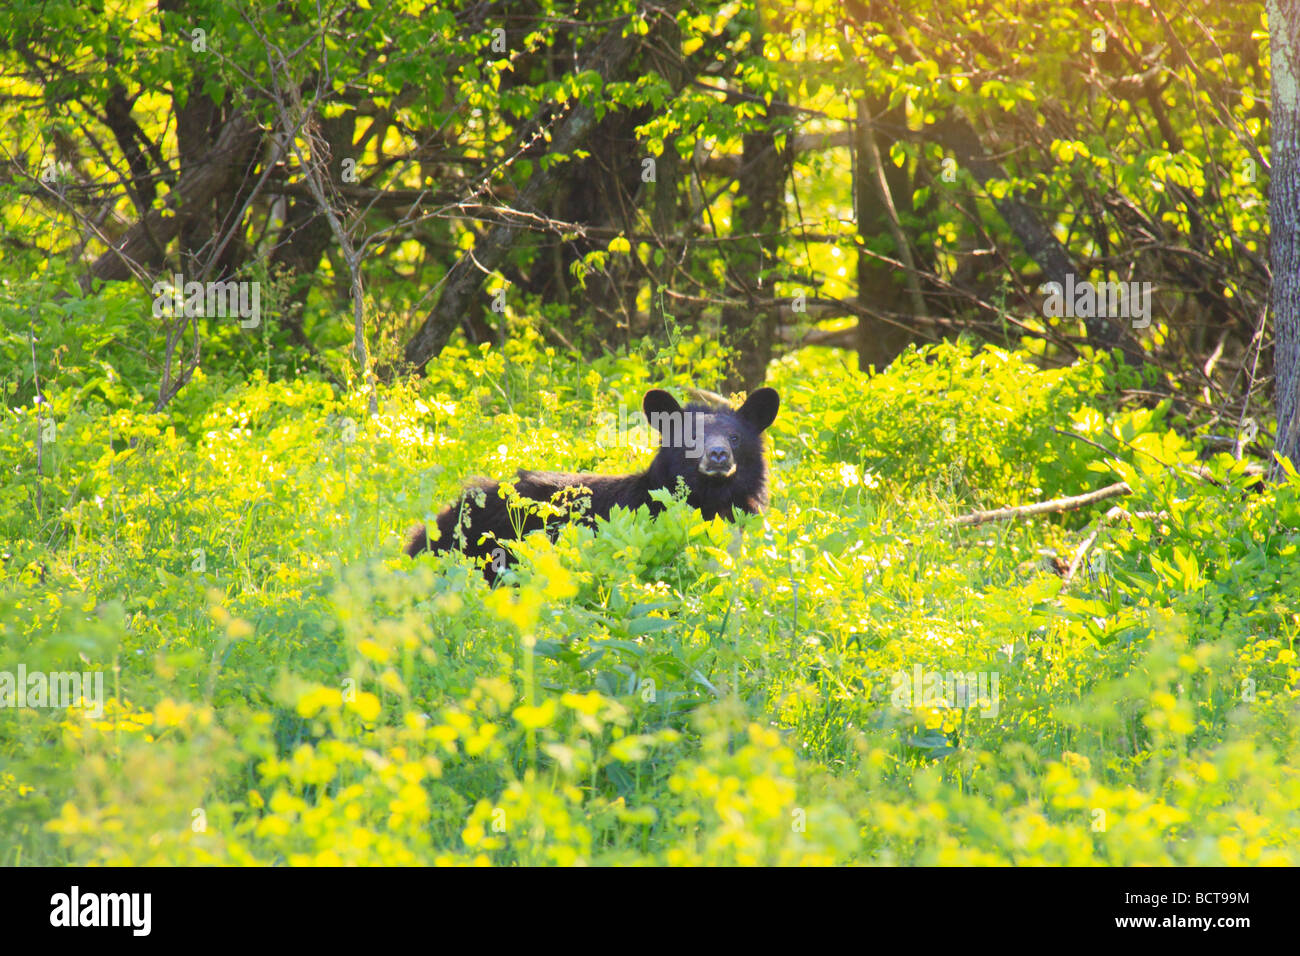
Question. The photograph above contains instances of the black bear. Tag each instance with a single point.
(715, 449)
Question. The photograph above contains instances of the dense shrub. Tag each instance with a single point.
(285, 689)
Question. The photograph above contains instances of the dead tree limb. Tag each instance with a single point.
(1080, 553)
(1055, 506)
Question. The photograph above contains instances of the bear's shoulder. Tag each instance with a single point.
(543, 484)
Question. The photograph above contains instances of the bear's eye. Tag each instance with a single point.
(735, 438)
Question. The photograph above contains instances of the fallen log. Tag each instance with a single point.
(1055, 506)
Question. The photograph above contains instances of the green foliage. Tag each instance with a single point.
(283, 688)
(1139, 141)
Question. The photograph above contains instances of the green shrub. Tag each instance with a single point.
(283, 688)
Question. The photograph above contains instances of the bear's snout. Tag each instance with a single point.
(717, 460)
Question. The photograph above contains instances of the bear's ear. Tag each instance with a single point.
(760, 408)
(658, 402)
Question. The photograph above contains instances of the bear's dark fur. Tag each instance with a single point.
(716, 450)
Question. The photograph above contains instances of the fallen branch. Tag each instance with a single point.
(1114, 514)
(1082, 552)
(1055, 506)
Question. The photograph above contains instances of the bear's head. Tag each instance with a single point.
(713, 448)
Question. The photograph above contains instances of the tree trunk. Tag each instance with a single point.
(305, 234)
(610, 58)
(602, 192)
(142, 245)
(1284, 221)
(878, 342)
(756, 216)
